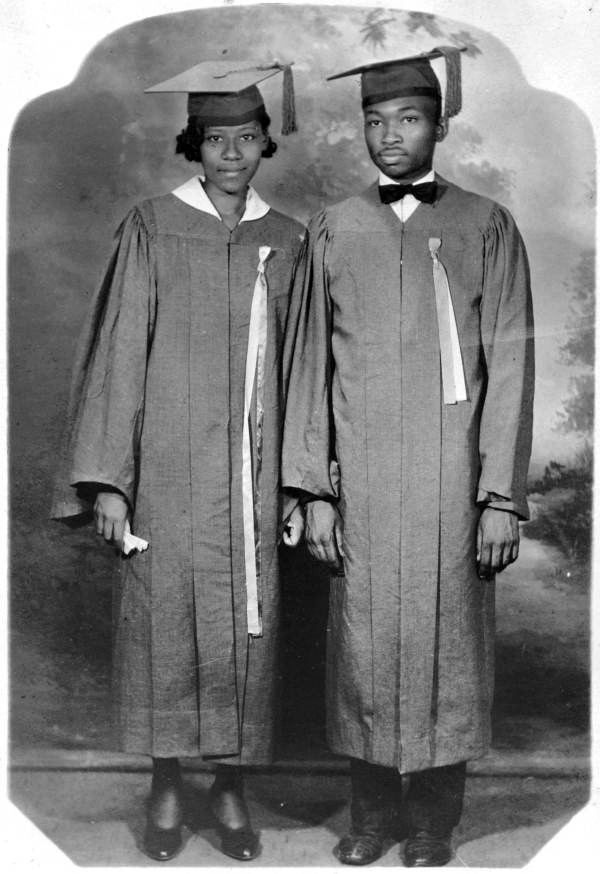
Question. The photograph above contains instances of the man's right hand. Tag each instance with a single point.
(110, 512)
(323, 533)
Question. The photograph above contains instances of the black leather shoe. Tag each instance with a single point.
(227, 803)
(161, 844)
(239, 843)
(357, 849)
(427, 850)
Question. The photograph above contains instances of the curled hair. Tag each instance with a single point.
(190, 139)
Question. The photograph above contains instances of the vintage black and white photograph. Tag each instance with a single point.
(300, 366)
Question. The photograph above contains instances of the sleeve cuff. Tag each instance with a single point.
(86, 488)
(500, 502)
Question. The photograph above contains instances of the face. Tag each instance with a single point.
(401, 135)
(231, 155)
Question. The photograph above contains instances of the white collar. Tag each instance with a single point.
(385, 180)
(192, 192)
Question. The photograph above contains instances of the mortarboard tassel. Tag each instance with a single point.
(453, 101)
(288, 103)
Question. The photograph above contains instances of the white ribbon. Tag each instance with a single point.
(453, 375)
(255, 365)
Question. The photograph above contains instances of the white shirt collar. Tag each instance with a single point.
(385, 180)
(192, 192)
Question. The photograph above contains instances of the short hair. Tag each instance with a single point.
(437, 100)
(190, 139)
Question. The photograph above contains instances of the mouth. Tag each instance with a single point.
(392, 154)
(231, 171)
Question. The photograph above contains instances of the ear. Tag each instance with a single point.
(441, 130)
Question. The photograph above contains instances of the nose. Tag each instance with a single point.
(391, 133)
(231, 151)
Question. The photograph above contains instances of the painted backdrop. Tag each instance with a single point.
(82, 155)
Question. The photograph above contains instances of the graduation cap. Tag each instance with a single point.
(225, 92)
(413, 76)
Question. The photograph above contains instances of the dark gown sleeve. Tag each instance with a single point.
(106, 404)
(507, 338)
(308, 450)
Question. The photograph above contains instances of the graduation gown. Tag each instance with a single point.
(157, 412)
(410, 633)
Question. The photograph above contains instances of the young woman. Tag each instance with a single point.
(174, 430)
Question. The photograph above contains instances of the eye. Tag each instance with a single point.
(214, 138)
(411, 119)
(373, 122)
(248, 138)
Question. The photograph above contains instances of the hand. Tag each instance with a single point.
(497, 541)
(294, 527)
(110, 512)
(323, 533)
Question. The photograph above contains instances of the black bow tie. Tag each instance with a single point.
(425, 192)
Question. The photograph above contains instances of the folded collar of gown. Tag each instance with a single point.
(192, 192)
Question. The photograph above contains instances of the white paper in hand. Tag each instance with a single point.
(131, 543)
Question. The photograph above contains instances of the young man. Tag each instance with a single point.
(407, 434)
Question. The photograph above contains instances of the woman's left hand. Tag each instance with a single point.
(294, 527)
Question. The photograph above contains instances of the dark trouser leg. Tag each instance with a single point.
(435, 798)
(435, 801)
(376, 792)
